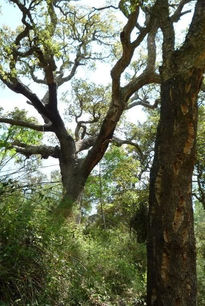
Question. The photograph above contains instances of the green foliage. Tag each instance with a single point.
(200, 244)
(128, 6)
(22, 264)
(120, 199)
(89, 106)
(46, 261)
(199, 188)
(114, 186)
(14, 134)
(56, 35)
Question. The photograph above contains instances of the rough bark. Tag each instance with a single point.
(171, 244)
(73, 182)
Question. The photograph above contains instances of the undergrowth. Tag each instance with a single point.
(45, 261)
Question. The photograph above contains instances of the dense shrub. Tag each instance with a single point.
(45, 261)
(23, 268)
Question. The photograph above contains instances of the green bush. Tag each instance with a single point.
(200, 244)
(22, 266)
(45, 261)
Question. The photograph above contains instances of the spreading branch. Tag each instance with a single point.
(16, 86)
(147, 77)
(142, 102)
(28, 150)
(120, 142)
(85, 144)
(106, 7)
(178, 12)
(42, 128)
(120, 95)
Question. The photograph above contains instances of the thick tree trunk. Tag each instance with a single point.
(73, 182)
(171, 243)
(73, 178)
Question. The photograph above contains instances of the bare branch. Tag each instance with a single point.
(120, 95)
(127, 46)
(34, 77)
(144, 103)
(42, 128)
(145, 78)
(106, 7)
(43, 150)
(61, 80)
(16, 86)
(120, 142)
(166, 25)
(80, 124)
(178, 13)
(151, 48)
(85, 144)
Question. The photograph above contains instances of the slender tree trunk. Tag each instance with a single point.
(171, 243)
(101, 198)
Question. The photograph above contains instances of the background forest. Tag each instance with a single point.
(78, 235)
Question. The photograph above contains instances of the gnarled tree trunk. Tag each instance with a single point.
(171, 243)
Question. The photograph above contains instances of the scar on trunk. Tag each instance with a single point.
(165, 235)
(182, 202)
(188, 87)
(190, 139)
(178, 219)
(164, 267)
(176, 168)
(177, 164)
(184, 109)
(158, 186)
(185, 236)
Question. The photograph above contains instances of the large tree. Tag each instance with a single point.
(55, 38)
(40, 48)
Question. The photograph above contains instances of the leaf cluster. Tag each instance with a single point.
(13, 134)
